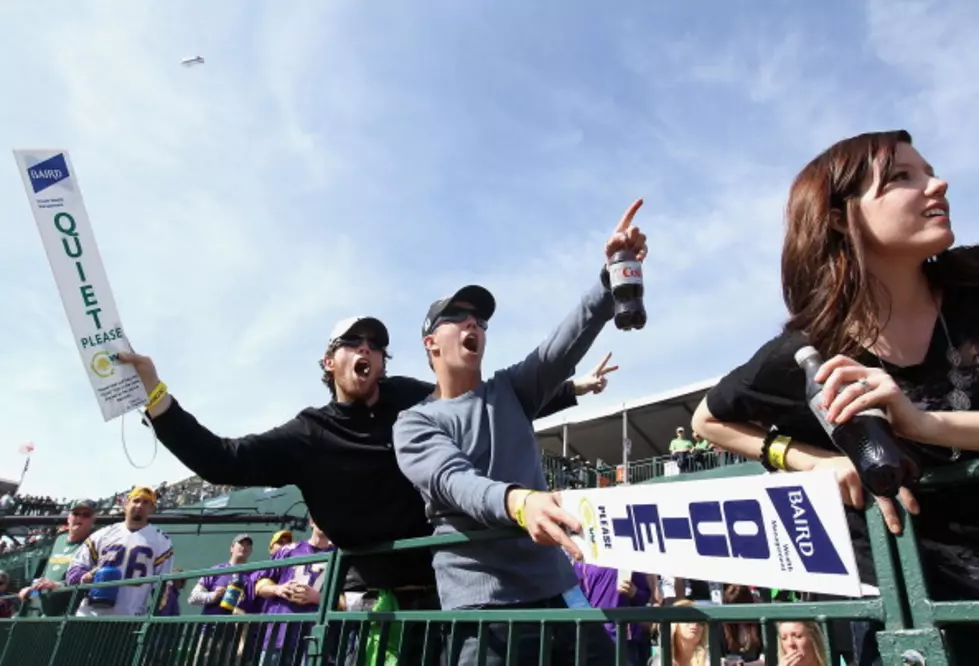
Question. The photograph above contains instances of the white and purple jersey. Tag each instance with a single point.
(145, 552)
(217, 580)
(307, 574)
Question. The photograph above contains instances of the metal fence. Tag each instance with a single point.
(566, 473)
(911, 634)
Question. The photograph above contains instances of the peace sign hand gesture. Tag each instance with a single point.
(626, 236)
(595, 381)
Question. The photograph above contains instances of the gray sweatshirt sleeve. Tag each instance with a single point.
(443, 474)
(537, 377)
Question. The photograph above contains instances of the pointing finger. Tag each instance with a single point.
(611, 368)
(627, 218)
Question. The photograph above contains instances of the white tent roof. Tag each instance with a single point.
(652, 423)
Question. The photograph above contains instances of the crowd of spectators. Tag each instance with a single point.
(172, 495)
(686, 455)
(690, 455)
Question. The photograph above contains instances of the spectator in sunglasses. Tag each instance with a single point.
(472, 452)
(340, 456)
(81, 524)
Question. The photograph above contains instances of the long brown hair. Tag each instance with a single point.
(829, 293)
(739, 594)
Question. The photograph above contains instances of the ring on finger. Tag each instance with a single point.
(864, 384)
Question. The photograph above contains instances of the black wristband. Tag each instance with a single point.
(766, 447)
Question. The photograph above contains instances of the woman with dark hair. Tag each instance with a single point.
(870, 278)
(742, 639)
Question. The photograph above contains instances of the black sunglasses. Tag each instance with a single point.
(356, 341)
(456, 314)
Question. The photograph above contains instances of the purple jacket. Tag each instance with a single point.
(308, 574)
(600, 585)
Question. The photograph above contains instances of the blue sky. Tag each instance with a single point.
(347, 157)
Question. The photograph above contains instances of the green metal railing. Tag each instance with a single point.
(911, 623)
(564, 473)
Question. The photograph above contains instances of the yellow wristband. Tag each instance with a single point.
(156, 395)
(776, 452)
(519, 515)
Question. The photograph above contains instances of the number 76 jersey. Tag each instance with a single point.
(145, 552)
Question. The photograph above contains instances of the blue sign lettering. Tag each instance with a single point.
(806, 531)
(746, 529)
(638, 526)
(45, 174)
(739, 528)
(711, 545)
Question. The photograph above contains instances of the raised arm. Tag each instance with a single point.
(442, 473)
(538, 376)
(564, 398)
(271, 458)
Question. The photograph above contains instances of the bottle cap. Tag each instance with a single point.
(805, 354)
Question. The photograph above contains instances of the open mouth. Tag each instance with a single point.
(362, 367)
(470, 343)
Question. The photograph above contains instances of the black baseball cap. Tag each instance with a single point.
(484, 305)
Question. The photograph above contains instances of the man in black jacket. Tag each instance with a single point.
(340, 456)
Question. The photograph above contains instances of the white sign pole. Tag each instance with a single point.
(787, 531)
(69, 243)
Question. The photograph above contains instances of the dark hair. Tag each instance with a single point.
(829, 293)
(739, 594)
(327, 377)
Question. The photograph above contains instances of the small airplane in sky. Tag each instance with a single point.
(190, 62)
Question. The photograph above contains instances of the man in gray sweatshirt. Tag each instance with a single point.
(471, 451)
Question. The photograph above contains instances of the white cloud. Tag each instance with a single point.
(332, 159)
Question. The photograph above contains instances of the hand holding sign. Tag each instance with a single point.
(595, 381)
(544, 518)
(146, 370)
(626, 236)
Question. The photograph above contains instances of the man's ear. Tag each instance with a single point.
(431, 346)
(328, 363)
